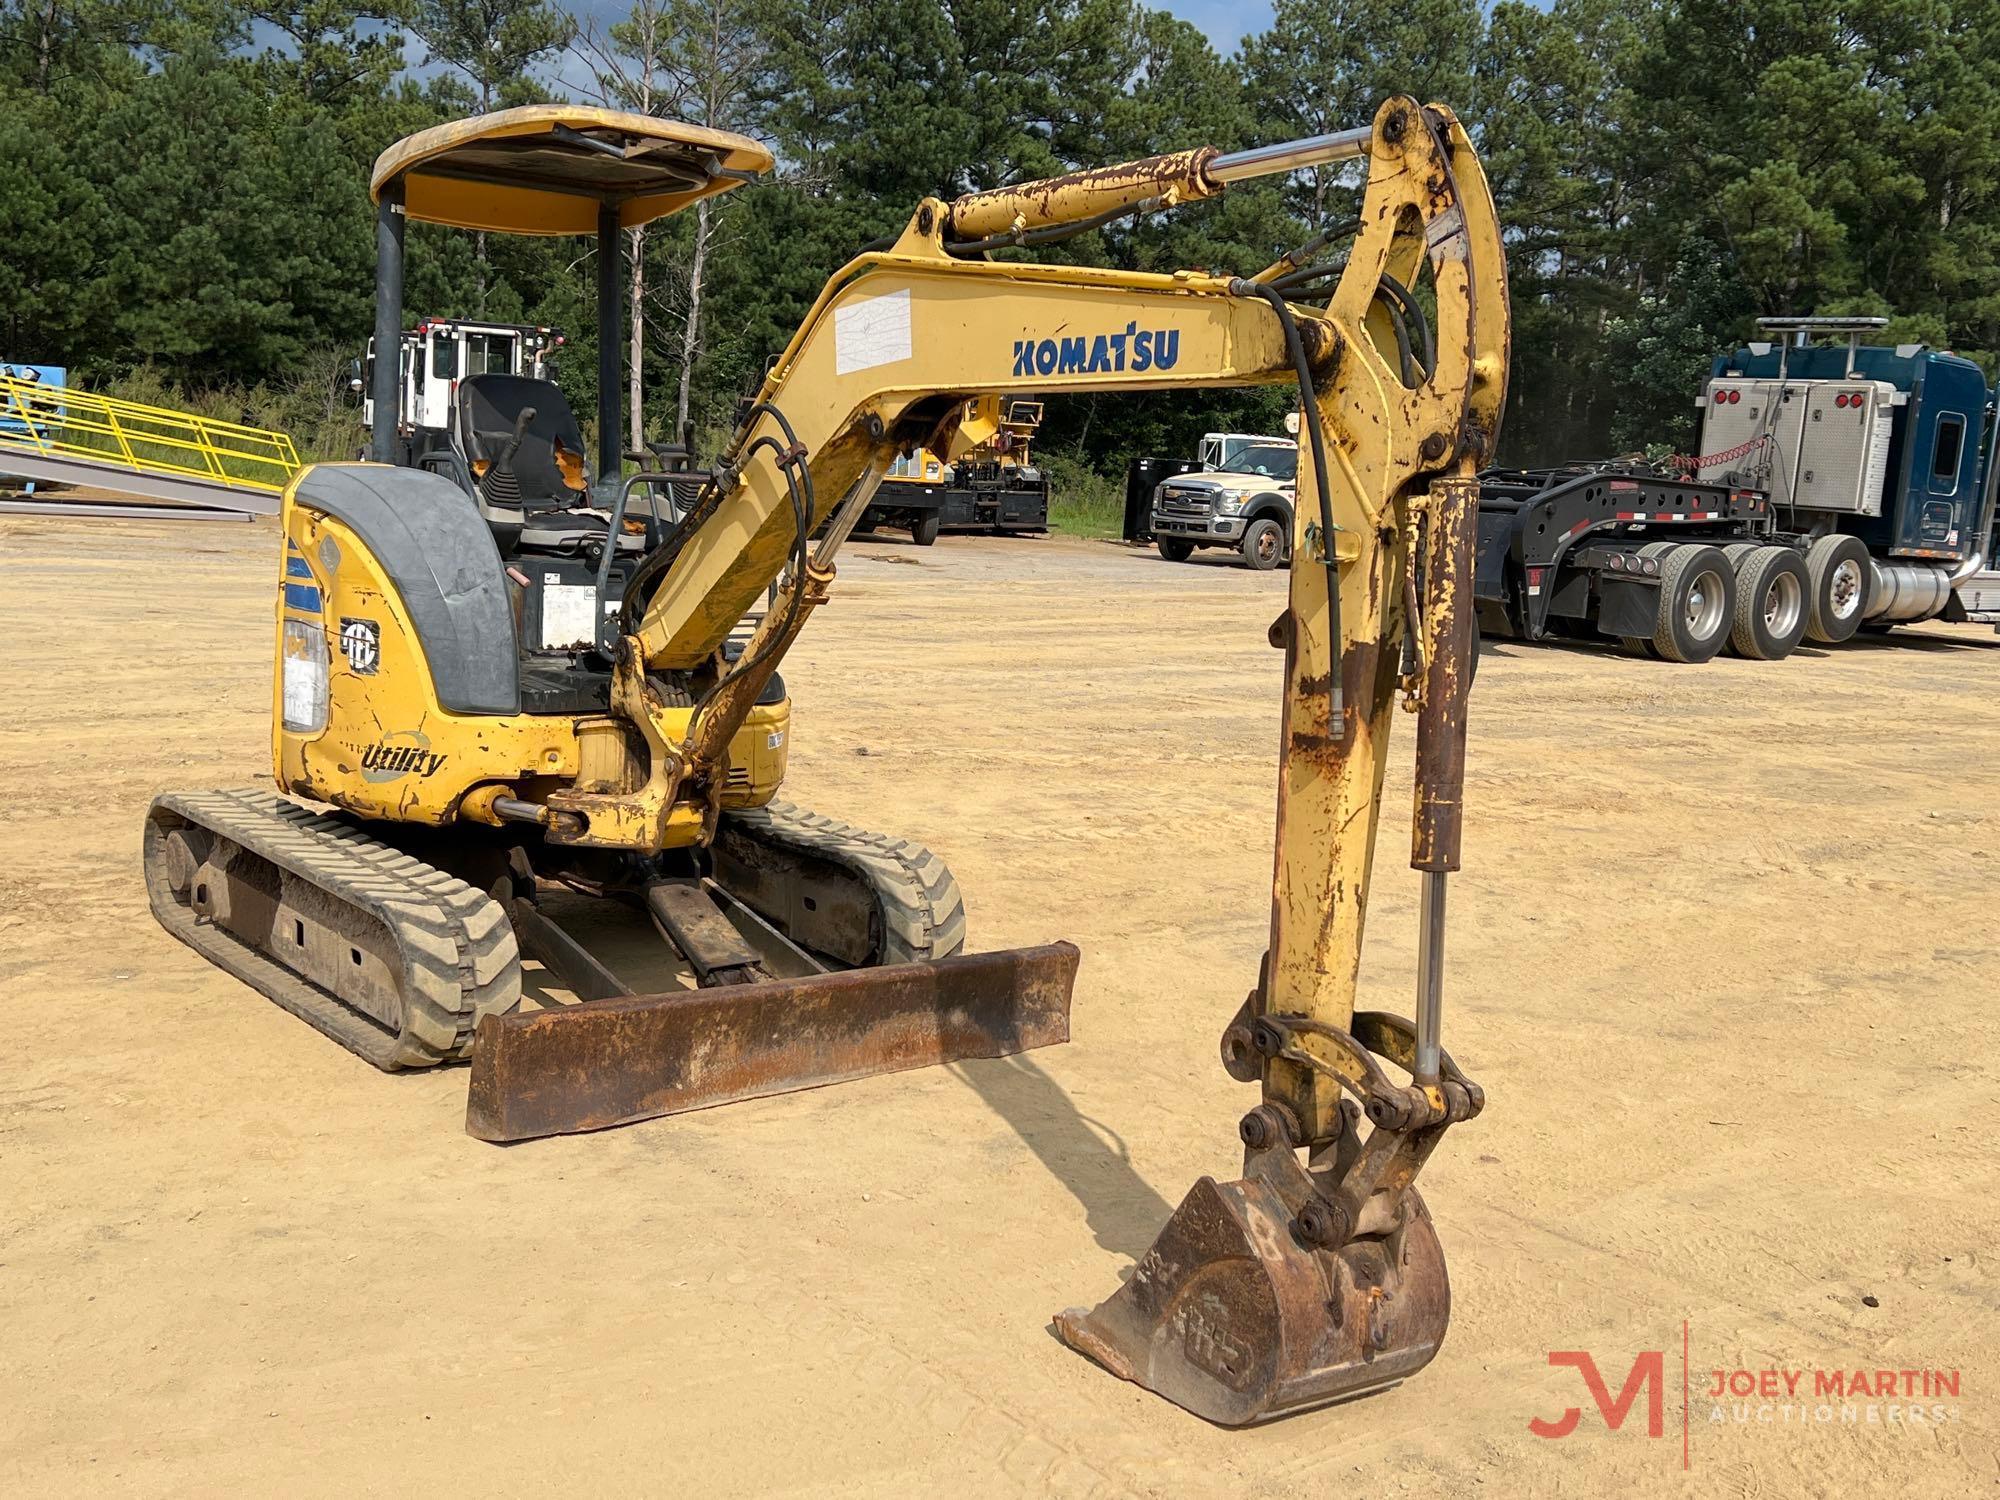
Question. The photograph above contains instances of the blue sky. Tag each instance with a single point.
(1225, 21)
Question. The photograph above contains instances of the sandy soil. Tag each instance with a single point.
(1723, 957)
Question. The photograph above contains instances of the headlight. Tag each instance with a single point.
(1229, 505)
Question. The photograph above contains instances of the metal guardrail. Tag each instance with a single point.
(61, 422)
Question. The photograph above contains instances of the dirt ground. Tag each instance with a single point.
(1723, 957)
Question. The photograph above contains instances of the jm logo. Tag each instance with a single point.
(1647, 1374)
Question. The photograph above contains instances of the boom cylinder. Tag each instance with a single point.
(1291, 156)
(1084, 195)
(1180, 176)
(1449, 535)
(1439, 818)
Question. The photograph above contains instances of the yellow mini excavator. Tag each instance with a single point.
(498, 677)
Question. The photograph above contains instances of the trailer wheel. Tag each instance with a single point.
(1839, 577)
(1174, 550)
(1642, 645)
(1771, 613)
(1263, 544)
(1697, 603)
(924, 530)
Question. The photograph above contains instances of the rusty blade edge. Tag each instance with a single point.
(611, 1062)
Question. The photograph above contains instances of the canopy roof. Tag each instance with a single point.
(545, 169)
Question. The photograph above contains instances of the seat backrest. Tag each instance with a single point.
(484, 413)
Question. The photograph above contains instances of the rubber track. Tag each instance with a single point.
(460, 960)
(923, 914)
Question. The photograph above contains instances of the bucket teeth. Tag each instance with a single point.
(1232, 1316)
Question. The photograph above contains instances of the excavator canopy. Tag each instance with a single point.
(548, 168)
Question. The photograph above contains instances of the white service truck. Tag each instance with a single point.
(1239, 496)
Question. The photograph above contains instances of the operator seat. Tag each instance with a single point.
(524, 449)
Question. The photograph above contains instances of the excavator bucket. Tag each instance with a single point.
(1232, 1315)
(609, 1062)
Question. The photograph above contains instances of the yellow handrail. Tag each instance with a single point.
(63, 422)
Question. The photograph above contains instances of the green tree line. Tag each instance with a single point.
(185, 183)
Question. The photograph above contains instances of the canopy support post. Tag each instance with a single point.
(609, 466)
(386, 387)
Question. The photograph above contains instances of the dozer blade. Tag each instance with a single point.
(1232, 1317)
(610, 1062)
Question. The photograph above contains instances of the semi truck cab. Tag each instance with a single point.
(1889, 445)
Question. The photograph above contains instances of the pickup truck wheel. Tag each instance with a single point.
(1174, 550)
(1263, 544)
(1838, 572)
(924, 530)
(1697, 603)
(1771, 587)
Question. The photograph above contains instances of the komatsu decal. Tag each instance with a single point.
(1136, 349)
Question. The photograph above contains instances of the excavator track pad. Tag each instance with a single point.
(393, 959)
(855, 896)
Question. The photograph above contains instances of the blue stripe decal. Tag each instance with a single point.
(295, 567)
(302, 596)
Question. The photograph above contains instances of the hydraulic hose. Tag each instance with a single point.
(798, 484)
(1400, 294)
(1309, 404)
(662, 557)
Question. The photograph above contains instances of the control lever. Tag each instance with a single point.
(520, 432)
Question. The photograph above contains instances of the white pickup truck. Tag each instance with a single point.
(1240, 498)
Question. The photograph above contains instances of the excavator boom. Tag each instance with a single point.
(1318, 1273)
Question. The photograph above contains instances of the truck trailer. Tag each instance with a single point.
(1842, 487)
(993, 486)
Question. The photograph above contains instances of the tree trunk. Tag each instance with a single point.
(691, 334)
(636, 350)
(46, 48)
(479, 238)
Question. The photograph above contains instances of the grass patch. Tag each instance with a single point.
(1082, 502)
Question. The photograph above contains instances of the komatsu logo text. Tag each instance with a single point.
(1135, 349)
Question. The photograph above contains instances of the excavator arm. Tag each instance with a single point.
(1317, 1274)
